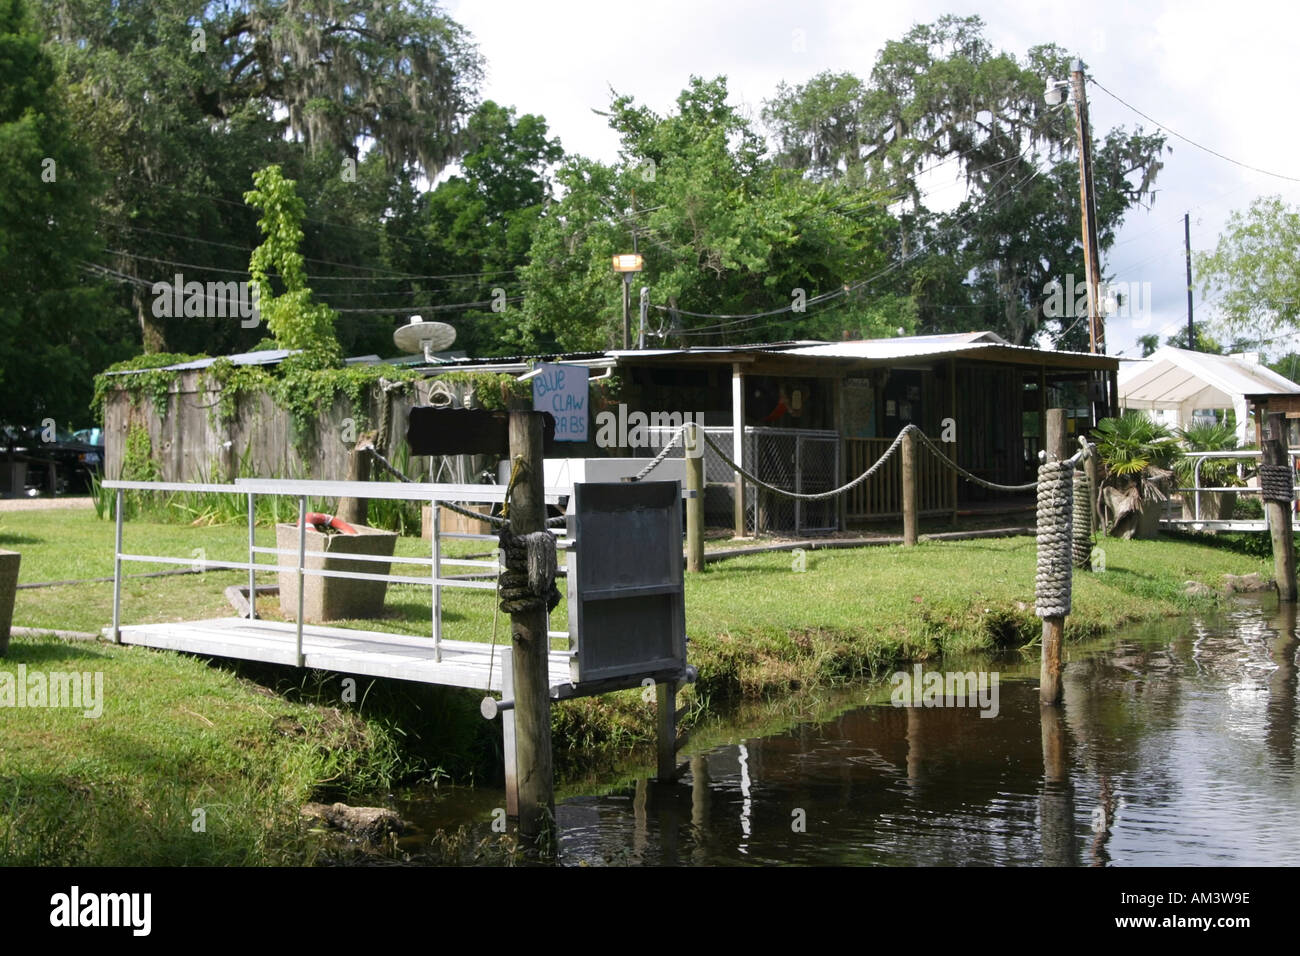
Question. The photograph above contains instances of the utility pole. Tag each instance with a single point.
(1091, 258)
(1088, 201)
(1187, 246)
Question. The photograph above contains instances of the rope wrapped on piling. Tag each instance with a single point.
(528, 582)
(1081, 534)
(1277, 483)
(1055, 547)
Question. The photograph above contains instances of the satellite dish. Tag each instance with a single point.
(420, 336)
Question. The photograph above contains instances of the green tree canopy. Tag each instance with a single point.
(1253, 271)
(723, 230)
(181, 101)
(57, 328)
(942, 101)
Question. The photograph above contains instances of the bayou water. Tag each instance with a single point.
(1175, 746)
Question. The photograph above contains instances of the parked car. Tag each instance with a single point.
(64, 465)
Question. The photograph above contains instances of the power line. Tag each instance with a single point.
(102, 270)
(389, 274)
(311, 278)
(1172, 132)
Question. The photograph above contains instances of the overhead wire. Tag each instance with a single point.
(1189, 141)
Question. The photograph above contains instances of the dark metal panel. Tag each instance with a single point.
(464, 431)
(627, 611)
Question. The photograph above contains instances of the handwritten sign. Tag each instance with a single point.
(562, 391)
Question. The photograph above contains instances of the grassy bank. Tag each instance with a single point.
(186, 765)
(179, 735)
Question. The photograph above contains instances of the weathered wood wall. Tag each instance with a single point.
(189, 444)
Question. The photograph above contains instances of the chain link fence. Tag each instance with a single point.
(799, 460)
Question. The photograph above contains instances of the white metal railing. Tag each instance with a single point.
(1199, 459)
(433, 494)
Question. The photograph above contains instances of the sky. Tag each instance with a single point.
(1216, 73)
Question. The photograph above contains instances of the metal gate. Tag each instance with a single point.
(804, 461)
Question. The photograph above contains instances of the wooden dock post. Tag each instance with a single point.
(1092, 468)
(695, 503)
(1279, 512)
(1049, 683)
(356, 510)
(666, 719)
(530, 644)
(909, 489)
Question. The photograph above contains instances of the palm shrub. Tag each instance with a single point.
(1215, 472)
(1139, 455)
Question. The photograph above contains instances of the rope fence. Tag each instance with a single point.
(824, 495)
(1064, 520)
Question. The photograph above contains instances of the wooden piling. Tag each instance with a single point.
(694, 503)
(1049, 683)
(1092, 468)
(530, 645)
(666, 701)
(355, 510)
(1279, 512)
(909, 489)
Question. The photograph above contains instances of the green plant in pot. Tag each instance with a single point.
(1139, 455)
(1214, 472)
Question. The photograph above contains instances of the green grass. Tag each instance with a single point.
(175, 736)
(759, 630)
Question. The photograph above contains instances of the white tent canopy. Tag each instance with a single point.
(1184, 382)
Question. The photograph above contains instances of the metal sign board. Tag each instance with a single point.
(627, 608)
(561, 390)
(465, 431)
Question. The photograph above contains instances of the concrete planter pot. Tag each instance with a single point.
(9, 561)
(1149, 525)
(1215, 505)
(328, 598)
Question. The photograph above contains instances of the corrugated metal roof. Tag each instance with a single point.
(881, 350)
(926, 346)
(266, 357)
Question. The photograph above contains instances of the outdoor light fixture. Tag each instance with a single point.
(628, 264)
(1056, 92)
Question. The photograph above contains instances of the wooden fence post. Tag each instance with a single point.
(355, 510)
(1092, 468)
(909, 489)
(1049, 684)
(695, 504)
(530, 645)
(1279, 512)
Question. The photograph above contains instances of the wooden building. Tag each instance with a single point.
(983, 399)
(804, 416)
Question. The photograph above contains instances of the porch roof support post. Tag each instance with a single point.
(842, 456)
(738, 444)
(952, 412)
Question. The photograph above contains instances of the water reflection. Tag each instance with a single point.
(1175, 745)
